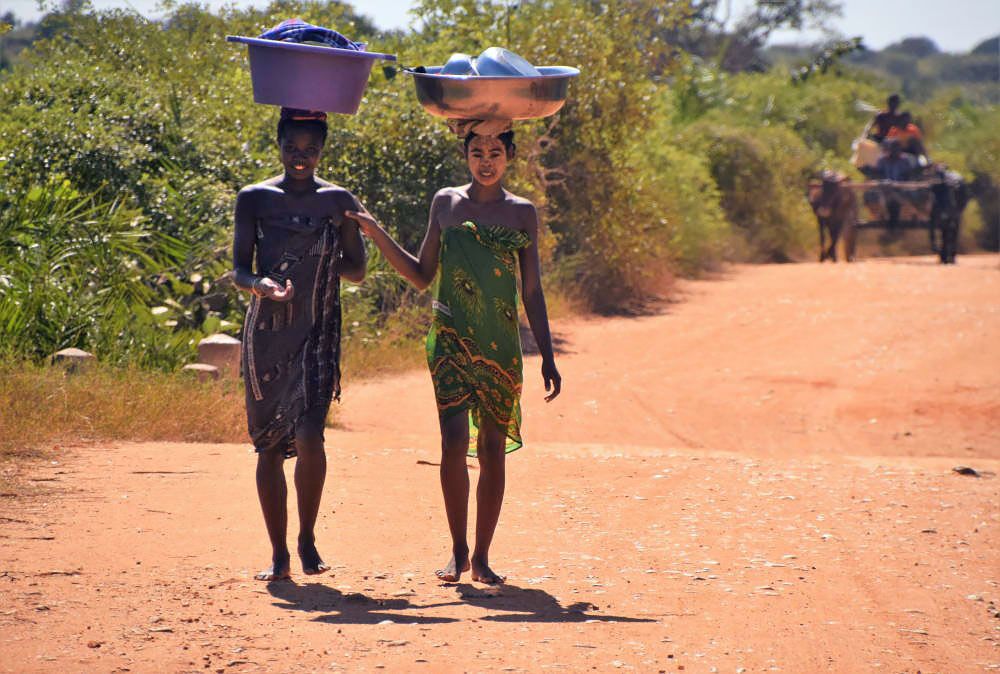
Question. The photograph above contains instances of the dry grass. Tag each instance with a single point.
(382, 357)
(43, 406)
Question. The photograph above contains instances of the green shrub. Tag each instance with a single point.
(77, 272)
(761, 175)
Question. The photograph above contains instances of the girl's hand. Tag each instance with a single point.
(366, 223)
(272, 290)
(552, 379)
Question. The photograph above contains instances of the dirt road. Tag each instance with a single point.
(758, 478)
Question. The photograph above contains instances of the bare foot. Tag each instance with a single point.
(280, 569)
(312, 563)
(453, 570)
(482, 573)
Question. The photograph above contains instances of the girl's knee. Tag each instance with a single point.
(309, 433)
(491, 455)
(309, 444)
(454, 448)
(455, 437)
(270, 458)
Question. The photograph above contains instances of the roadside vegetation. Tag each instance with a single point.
(46, 405)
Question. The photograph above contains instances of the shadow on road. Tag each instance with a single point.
(534, 606)
(508, 604)
(352, 608)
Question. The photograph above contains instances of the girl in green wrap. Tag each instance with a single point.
(478, 234)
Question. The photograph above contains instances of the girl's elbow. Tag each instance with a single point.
(353, 271)
(355, 275)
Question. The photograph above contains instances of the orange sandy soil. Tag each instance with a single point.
(756, 478)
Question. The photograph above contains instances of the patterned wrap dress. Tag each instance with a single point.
(474, 346)
(291, 350)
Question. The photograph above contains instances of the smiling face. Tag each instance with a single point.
(487, 158)
(300, 148)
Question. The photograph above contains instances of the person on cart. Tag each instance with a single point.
(868, 147)
(910, 138)
(895, 165)
(885, 120)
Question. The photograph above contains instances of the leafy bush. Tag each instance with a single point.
(761, 174)
(76, 272)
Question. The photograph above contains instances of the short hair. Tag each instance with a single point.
(893, 100)
(317, 126)
(507, 138)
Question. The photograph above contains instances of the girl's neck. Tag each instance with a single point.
(482, 194)
(298, 186)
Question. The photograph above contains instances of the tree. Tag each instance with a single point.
(732, 42)
(988, 47)
(917, 47)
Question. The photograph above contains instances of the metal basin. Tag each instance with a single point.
(466, 97)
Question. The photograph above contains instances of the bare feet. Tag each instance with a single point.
(482, 573)
(280, 569)
(312, 563)
(454, 569)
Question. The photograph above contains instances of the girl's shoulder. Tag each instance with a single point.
(259, 194)
(523, 208)
(450, 193)
(264, 186)
(519, 202)
(341, 194)
(445, 201)
(326, 186)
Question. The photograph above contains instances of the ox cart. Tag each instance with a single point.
(934, 202)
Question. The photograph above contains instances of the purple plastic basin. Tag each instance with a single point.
(308, 77)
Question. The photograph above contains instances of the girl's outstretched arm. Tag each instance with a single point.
(534, 302)
(418, 270)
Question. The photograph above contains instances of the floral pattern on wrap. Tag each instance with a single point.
(474, 346)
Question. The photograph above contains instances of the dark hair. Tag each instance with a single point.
(317, 126)
(893, 100)
(507, 138)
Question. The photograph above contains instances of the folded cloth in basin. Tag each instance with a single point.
(297, 30)
(480, 127)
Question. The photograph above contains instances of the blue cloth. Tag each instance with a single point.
(896, 168)
(297, 30)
